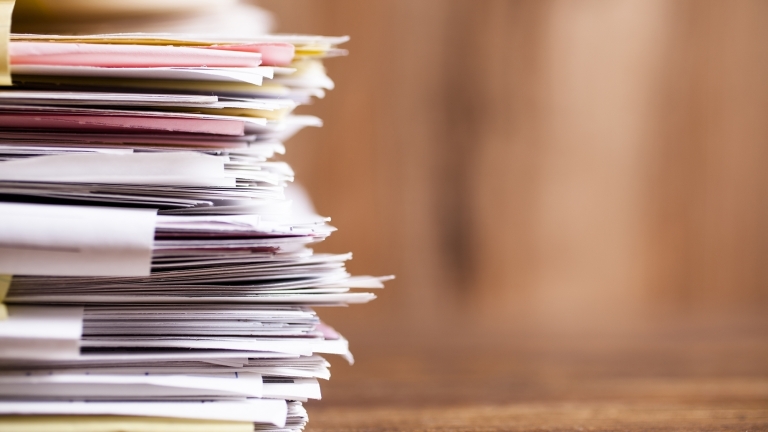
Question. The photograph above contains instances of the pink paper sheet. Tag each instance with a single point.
(272, 53)
(117, 56)
(105, 123)
(95, 139)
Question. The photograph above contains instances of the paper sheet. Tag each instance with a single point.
(143, 386)
(75, 241)
(6, 9)
(270, 411)
(308, 299)
(123, 56)
(41, 332)
(97, 98)
(253, 75)
(96, 423)
(5, 285)
(291, 388)
(186, 39)
(98, 122)
(177, 168)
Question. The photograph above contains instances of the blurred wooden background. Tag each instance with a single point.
(551, 166)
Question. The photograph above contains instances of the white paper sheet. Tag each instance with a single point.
(291, 388)
(44, 385)
(75, 241)
(41, 332)
(176, 168)
(306, 299)
(253, 75)
(94, 98)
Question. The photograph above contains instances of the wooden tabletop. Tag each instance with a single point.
(655, 383)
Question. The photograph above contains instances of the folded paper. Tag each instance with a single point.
(41, 332)
(75, 240)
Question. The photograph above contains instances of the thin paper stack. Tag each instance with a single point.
(163, 275)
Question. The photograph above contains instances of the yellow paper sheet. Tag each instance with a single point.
(117, 424)
(5, 285)
(277, 114)
(6, 9)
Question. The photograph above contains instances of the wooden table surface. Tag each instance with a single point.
(673, 382)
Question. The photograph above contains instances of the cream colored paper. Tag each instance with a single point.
(6, 10)
(5, 284)
(71, 423)
(269, 411)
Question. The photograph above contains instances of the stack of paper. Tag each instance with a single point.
(162, 271)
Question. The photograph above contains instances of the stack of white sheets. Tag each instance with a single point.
(161, 270)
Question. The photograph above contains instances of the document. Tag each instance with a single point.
(176, 168)
(41, 332)
(75, 241)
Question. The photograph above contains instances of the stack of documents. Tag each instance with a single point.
(158, 266)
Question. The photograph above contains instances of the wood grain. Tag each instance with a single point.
(572, 195)
(546, 417)
(557, 165)
(674, 380)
